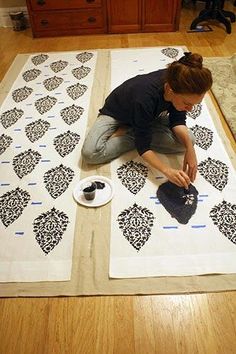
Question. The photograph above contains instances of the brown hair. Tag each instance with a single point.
(188, 76)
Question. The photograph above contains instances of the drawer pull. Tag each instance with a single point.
(41, 2)
(91, 19)
(44, 22)
(89, 1)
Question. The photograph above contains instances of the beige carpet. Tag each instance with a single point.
(92, 235)
(224, 87)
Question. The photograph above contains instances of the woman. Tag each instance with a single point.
(148, 112)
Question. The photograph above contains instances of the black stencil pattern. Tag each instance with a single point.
(21, 94)
(136, 223)
(65, 143)
(10, 117)
(81, 72)
(76, 91)
(12, 205)
(133, 175)
(25, 162)
(203, 136)
(31, 75)
(83, 57)
(179, 202)
(52, 83)
(59, 65)
(49, 228)
(170, 52)
(44, 104)
(215, 172)
(195, 112)
(5, 142)
(57, 180)
(39, 59)
(223, 216)
(35, 130)
(71, 114)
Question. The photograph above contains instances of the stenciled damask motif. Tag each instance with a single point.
(84, 57)
(133, 175)
(49, 228)
(71, 114)
(5, 142)
(12, 205)
(21, 94)
(215, 172)
(25, 162)
(170, 52)
(66, 142)
(203, 136)
(59, 65)
(81, 72)
(10, 117)
(195, 112)
(52, 83)
(57, 180)
(39, 59)
(223, 216)
(35, 130)
(136, 224)
(76, 91)
(44, 104)
(31, 74)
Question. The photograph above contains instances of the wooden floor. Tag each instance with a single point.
(186, 324)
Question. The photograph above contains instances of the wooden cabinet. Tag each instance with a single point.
(71, 17)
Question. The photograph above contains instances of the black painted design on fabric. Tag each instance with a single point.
(136, 224)
(71, 114)
(84, 57)
(223, 216)
(31, 75)
(170, 52)
(76, 91)
(133, 175)
(180, 203)
(66, 142)
(57, 180)
(215, 172)
(39, 59)
(203, 136)
(44, 104)
(12, 205)
(49, 228)
(195, 112)
(25, 162)
(10, 117)
(52, 83)
(81, 72)
(21, 94)
(59, 65)
(35, 130)
(5, 142)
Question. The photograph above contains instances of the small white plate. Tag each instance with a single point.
(102, 196)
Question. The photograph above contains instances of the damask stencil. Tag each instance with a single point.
(133, 175)
(65, 143)
(84, 57)
(30, 75)
(39, 59)
(76, 91)
(25, 162)
(52, 83)
(44, 104)
(223, 216)
(81, 72)
(5, 142)
(57, 180)
(59, 65)
(21, 94)
(195, 112)
(170, 52)
(71, 114)
(136, 224)
(35, 130)
(203, 136)
(49, 228)
(215, 172)
(12, 205)
(10, 117)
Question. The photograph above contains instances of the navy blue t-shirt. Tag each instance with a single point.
(137, 102)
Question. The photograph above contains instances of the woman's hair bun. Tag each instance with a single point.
(191, 59)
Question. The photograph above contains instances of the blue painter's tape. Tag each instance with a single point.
(17, 130)
(45, 160)
(32, 184)
(42, 146)
(28, 117)
(153, 197)
(51, 116)
(198, 226)
(203, 195)
(53, 128)
(170, 227)
(19, 233)
(29, 104)
(58, 93)
(61, 102)
(5, 184)
(5, 161)
(36, 203)
(18, 146)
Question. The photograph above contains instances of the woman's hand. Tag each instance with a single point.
(178, 177)
(190, 163)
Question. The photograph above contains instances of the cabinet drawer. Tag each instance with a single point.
(44, 5)
(64, 20)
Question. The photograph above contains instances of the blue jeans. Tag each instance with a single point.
(99, 148)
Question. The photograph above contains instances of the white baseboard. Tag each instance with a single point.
(5, 20)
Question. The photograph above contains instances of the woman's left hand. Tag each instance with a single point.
(190, 163)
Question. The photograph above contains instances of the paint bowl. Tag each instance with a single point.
(89, 190)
